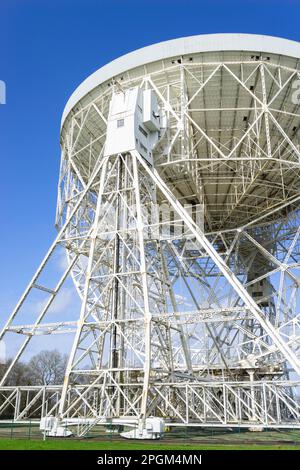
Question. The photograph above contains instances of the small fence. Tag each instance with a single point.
(180, 435)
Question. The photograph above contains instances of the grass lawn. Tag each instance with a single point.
(23, 444)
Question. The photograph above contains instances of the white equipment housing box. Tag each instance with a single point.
(261, 291)
(51, 427)
(154, 429)
(151, 118)
(133, 123)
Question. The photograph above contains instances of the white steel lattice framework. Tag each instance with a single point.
(197, 324)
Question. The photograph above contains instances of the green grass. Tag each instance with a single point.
(23, 444)
(29, 438)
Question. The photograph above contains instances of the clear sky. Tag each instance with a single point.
(47, 47)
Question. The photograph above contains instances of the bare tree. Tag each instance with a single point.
(20, 374)
(47, 368)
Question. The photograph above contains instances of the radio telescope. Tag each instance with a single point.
(178, 211)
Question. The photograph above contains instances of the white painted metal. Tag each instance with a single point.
(154, 428)
(192, 323)
(133, 123)
(183, 47)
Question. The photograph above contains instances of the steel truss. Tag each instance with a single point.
(223, 404)
(199, 327)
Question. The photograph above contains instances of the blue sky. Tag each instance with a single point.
(47, 47)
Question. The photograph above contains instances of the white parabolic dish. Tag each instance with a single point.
(182, 46)
(242, 157)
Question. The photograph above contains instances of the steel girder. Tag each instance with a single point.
(163, 310)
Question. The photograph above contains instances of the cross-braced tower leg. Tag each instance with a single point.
(117, 345)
